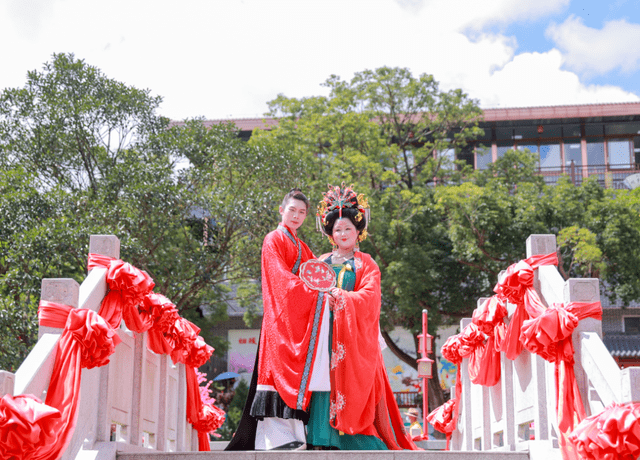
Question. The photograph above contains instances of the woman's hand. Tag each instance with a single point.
(333, 295)
(331, 301)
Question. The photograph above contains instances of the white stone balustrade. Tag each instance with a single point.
(137, 402)
(522, 404)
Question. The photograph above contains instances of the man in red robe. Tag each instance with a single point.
(275, 411)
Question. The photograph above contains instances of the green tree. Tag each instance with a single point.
(82, 154)
(392, 135)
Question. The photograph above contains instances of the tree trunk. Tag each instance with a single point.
(436, 396)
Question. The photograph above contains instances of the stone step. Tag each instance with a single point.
(327, 455)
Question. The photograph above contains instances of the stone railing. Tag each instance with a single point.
(519, 412)
(137, 402)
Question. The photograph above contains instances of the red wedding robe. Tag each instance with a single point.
(362, 401)
(290, 323)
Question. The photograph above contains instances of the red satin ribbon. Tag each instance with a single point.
(32, 430)
(549, 335)
(36, 431)
(484, 363)
(487, 335)
(610, 435)
(27, 426)
(454, 350)
(444, 418)
(516, 287)
(130, 298)
(164, 315)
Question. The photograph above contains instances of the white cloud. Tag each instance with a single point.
(230, 57)
(592, 51)
(536, 79)
(476, 15)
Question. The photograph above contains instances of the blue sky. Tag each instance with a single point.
(228, 58)
(595, 15)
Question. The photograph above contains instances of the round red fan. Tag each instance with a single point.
(318, 275)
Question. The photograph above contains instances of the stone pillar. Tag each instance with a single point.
(630, 385)
(93, 291)
(105, 245)
(541, 244)
(7, 382)
(161, 436)
(583, 290)
(508, 403)
(465, 410)
(487, 435)
(538, 367)
(59, 290)
(136, 409)
(536, 245)
(181, 445)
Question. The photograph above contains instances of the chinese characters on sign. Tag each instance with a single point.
(243, 345)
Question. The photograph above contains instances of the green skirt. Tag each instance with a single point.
(321, 433)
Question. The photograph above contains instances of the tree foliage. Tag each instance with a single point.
(440, 232)
(82, 154)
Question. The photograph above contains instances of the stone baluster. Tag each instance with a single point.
(65, 291)
(7, 383)
(583, 290)
(487, 436)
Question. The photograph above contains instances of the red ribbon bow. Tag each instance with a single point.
(516, 287)
(27, 426)
(128, 287)
(613, 434)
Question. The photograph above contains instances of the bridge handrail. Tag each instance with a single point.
(519, 412)
(147, 416)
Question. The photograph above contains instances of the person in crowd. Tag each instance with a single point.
(415, 428)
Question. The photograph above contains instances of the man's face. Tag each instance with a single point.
(293, 213)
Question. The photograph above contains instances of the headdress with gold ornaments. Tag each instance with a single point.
(339, 198)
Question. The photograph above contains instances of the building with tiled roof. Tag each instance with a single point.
(579, 140)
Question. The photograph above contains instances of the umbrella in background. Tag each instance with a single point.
(226, 376)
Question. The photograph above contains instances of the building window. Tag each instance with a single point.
(448, 156)
(503, 147)
(622, 128)
(619, 153)
(594, 129)
(572, 152)
(551, 131)
(631, 324)
(532, 148)
(550, 158)
(525, 132)
(595, 153)
(483, 156)
(504, 133)
(466, 154)
(571, 131)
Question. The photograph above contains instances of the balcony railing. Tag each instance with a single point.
(406, 399)
(608, 176)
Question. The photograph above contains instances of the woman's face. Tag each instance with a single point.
(345, 234)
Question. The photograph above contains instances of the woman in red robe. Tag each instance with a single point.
(359, 412)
